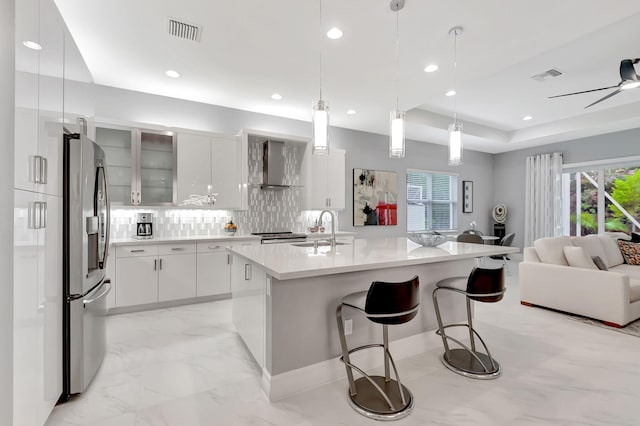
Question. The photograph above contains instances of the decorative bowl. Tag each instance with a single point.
(230, 231)
(426, 239)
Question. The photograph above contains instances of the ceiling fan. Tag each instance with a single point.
(629, 80)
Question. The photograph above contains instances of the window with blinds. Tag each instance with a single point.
(431, 201)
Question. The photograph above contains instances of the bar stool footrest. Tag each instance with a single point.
(369, 403)
(461, 361)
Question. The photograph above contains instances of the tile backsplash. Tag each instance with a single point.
(268, 210)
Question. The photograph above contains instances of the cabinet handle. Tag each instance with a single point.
(161, 264)
(329, 202)
(155, 264)
(37, 168)
(133, 200)
(177, 248)
(137, 251)
(247, 271)
(213, 247)
(43, 170)
(228, 259)
(138, 198)
(43, 213)
(31, 215)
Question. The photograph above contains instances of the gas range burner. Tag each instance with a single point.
(279, 237)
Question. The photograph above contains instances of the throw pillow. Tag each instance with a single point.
(599, 263)
(635, 237)
(578, 257)
(593, 246)
(630, 251)
(611, 251)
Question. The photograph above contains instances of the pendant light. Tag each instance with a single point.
(455, 128)
(320, 119)
(396, 133)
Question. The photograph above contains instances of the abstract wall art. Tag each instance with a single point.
(375, 198)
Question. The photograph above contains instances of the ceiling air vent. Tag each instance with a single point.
(185, 31)
(547, 74)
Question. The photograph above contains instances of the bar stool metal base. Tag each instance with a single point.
(369, 403)
(461, 361)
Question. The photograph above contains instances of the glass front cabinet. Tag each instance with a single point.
(141, 165)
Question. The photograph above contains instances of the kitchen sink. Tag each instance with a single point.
(320, 244)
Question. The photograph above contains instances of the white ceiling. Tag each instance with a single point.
(252, 48)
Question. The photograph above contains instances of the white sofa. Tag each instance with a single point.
(547, 280)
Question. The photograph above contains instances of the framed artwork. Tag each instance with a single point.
(375, 198)
(467, 196)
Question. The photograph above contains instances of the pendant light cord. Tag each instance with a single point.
(320, 3)
(397, 58)
(455, 68)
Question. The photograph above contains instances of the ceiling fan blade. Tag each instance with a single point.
(615, 92)
(584, 91)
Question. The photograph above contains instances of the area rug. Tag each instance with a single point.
(633, 329)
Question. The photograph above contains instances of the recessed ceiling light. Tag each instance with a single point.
(172, 73)
(334, 33)
(450, 93)
(276, 96)
(351, 111)
(527, 118)
(431, 68)
(32, 45)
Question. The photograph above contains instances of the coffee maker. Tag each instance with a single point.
(144, 225)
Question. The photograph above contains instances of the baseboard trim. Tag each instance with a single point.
(168, 304)
(290, 383)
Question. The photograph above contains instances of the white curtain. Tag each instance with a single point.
(543, 197)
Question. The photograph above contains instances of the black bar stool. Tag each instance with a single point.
(482, 285)
(377, 397)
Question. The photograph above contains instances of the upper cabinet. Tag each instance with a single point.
(325, 181)
(39, 98)
(210, 166)
(141, 165)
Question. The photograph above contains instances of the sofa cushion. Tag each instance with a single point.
(634, 290)
(611, 250)
(549, 249)
(578, 257)
(632, 271)
(599, 263)
(630, 251)
(593, 246)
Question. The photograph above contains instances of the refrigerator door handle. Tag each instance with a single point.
(106, 290)
(107, 220)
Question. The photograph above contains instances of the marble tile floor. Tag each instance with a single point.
(185, 366)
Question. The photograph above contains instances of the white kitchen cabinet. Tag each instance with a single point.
(39, 98)
(151, 273)
(110, 273)
(176, 277)
(226, 172)
(37, 305)
(325, 183)
(210, 165)
(248, 287)
(194, 165)
(137, 279)
(213, 269)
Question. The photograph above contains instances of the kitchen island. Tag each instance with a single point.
(285, 297)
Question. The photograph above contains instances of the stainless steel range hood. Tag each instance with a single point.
(273, 165)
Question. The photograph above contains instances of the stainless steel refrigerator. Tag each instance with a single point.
(86, 249)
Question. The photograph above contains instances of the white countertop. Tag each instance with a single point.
(186, 239)
(218, 238)
(286, 261)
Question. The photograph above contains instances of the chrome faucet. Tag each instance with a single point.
(333, 226)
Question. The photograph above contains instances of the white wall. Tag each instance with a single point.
(364, 150)
(7, 70)
(509, 176)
